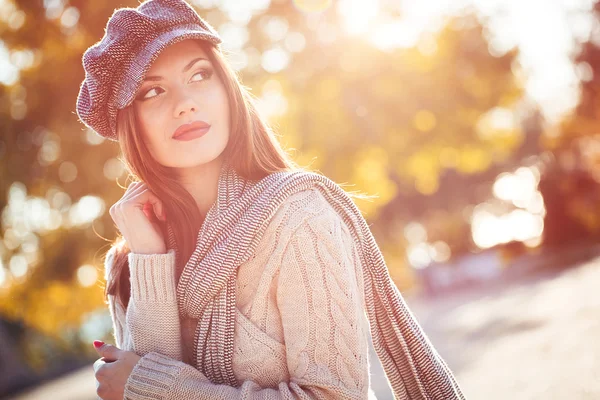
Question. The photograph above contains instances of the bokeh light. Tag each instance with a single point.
(312, 6)
(87, 275)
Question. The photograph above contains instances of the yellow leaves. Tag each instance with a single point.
(477, 87)
(473, 160)
(424, 167)
(495, 122)
(509, 99)
(584, 212)
(398, 139)
(52, 308)
(371, 176)
(500, 128)
(468, 116)
(58, 294)
(581, 126)
(381, 88)
(549, 141)
(424, 120)
(449, 157)
(421, 63)
(427, 184)
(395, 258)
(329, 89)
(510, 140)
(77, 40)
(422, 163)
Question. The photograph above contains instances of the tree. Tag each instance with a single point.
(396, 123)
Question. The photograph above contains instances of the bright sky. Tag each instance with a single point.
(545, 31)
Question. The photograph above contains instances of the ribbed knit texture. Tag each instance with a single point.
(301, 286)
(313, 272)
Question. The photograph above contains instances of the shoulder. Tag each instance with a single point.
(307, 200)
(319, 242)
(309, 209)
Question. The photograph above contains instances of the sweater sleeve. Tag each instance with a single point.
(151, 321)
(326, 336)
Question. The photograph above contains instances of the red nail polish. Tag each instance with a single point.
(98, 343)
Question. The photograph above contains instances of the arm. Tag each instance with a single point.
(325, 333)
(151, 321)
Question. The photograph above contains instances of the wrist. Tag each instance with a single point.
(152, 276)
(149, 250)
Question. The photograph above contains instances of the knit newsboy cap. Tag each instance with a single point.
(116, 65)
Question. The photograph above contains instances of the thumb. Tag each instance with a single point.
(107, 351)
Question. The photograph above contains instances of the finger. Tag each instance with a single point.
(148, 206)
(134, 187)
(154, 209)
(147, 196)
(108, 351)
(132, 190)
(136, 200)
(159, 210)
(148, 210)
(97, 364)
(121, 207)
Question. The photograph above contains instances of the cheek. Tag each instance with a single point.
(150, 125)
(223, 104)
(145, 118)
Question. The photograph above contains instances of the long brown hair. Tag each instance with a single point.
(253, 151)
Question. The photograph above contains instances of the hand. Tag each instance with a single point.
(133, 215)
(112, 371)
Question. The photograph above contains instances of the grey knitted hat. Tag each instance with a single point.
(116, 65)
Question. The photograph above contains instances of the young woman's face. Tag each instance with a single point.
(182, 87)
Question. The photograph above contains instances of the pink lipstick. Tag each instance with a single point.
(191, 131)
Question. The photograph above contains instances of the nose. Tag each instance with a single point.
(185, 104)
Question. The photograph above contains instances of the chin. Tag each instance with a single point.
(193, 157)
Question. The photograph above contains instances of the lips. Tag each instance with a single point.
(196, 125)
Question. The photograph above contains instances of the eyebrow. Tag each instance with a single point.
(185, 69)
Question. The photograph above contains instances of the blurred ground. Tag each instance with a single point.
(532, 337)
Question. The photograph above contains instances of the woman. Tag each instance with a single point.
(237, 274)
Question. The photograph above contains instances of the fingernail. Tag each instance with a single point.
(98, 343)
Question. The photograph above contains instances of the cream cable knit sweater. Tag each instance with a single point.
(301, 330)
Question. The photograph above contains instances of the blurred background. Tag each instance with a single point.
(473, 121)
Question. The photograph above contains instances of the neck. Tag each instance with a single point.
(201, 182)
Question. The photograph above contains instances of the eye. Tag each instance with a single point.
(206, 74)
(144, 95)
